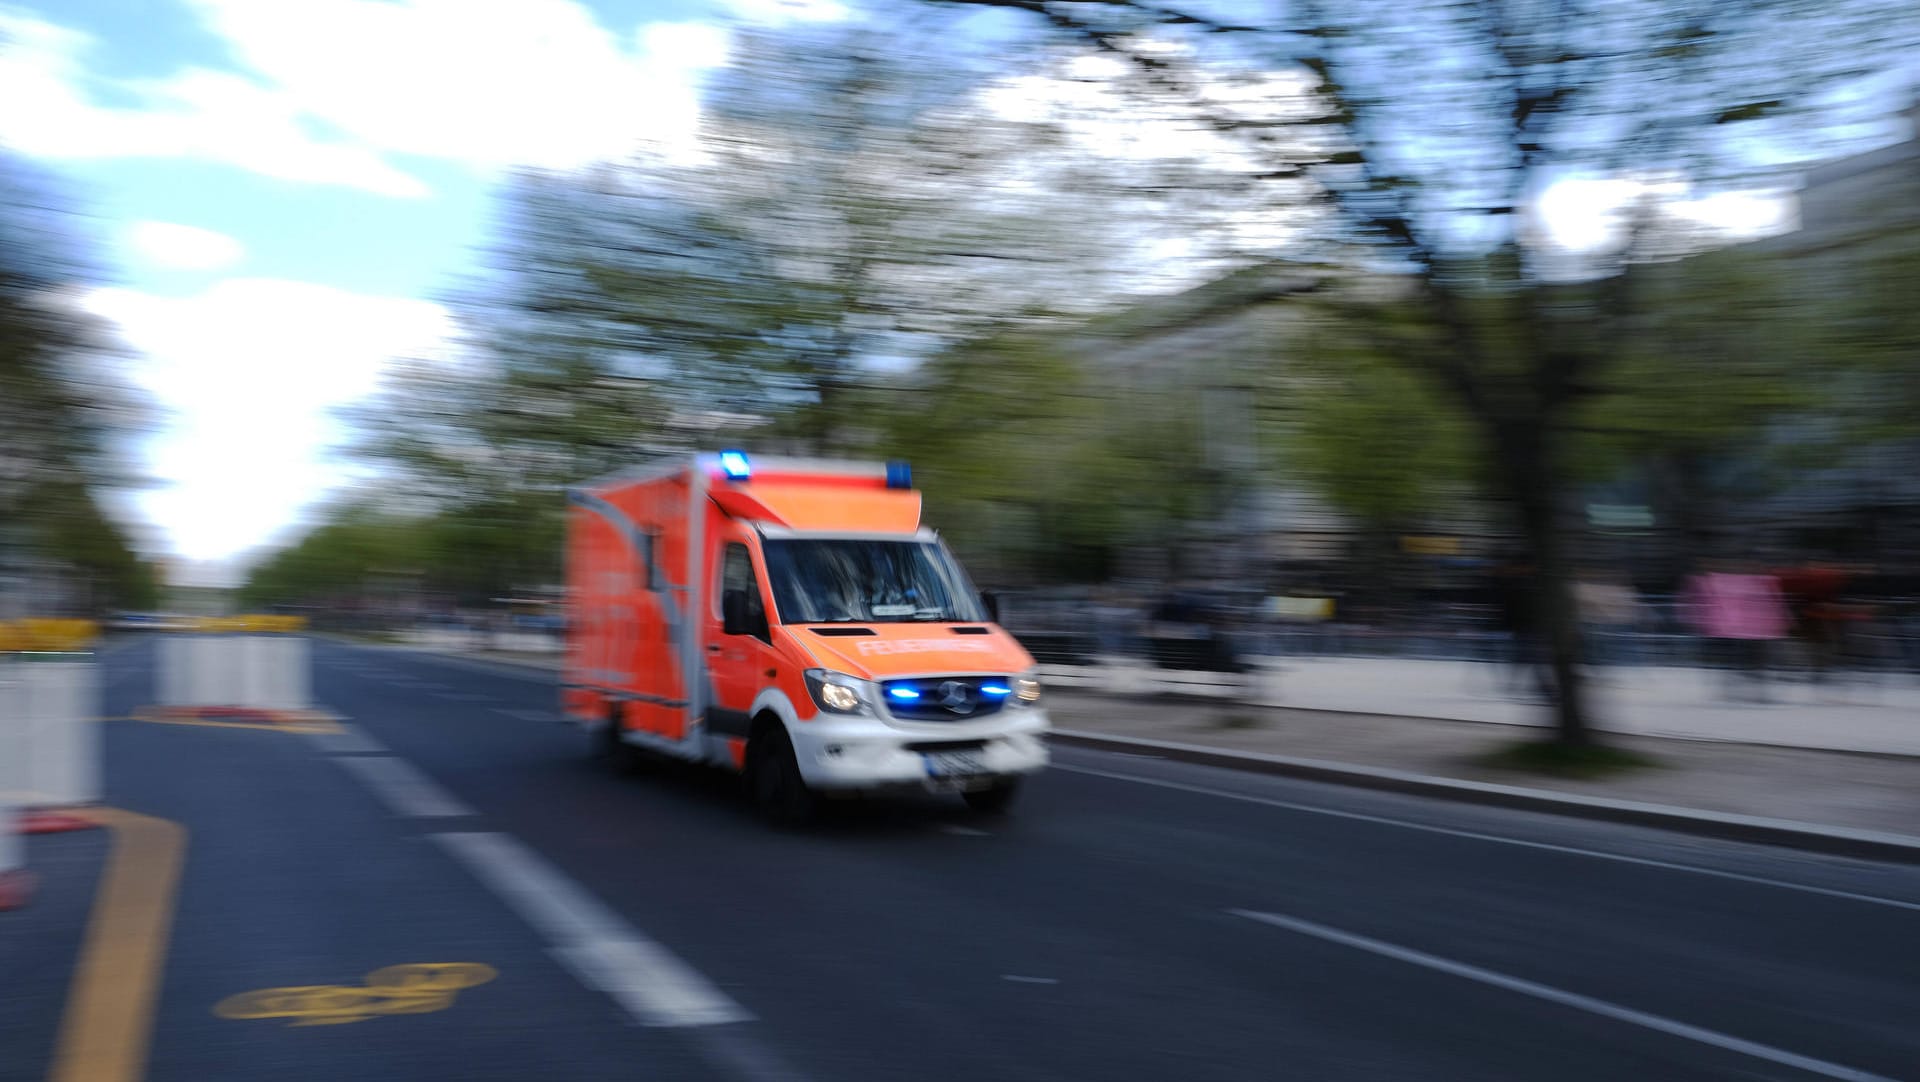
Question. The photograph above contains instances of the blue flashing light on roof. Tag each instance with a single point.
(734, 465)
(899, 475)
(903, 693)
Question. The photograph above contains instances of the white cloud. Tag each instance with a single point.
(507, 82)
(248, 371)
(1586, 213)
(784, 11)
(183, 247)
(196, 114)
(489, 85)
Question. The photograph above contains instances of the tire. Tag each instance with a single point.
(623, 758)
(995, 800)
(773, 778)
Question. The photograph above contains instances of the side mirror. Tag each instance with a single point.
(991, 601)
(733, 613)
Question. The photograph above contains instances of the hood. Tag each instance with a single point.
(885, 651)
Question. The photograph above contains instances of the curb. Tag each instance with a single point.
(1786, 833)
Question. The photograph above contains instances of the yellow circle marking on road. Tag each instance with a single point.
(415, 988)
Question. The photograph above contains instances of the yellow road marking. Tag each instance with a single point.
(416, 988)
(285, 727)
(109, 1014)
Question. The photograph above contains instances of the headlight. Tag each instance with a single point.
(1026, 689)
(837, 693)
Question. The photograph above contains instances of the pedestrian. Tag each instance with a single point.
(1740, 612)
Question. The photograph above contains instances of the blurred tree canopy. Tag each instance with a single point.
(1427, 135)
(66, 412)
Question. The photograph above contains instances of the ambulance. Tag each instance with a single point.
(794, 621)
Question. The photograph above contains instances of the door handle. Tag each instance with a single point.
(713, 648)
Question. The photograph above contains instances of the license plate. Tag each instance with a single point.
(955, 764)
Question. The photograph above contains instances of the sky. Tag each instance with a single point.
(284, 187)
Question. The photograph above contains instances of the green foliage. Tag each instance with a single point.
(1377, 440)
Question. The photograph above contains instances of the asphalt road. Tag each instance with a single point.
(1133, 918)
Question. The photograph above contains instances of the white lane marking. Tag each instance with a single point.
(1597, 854)
(964, 832)
(602, 951)
(1029, 980)
(544, 717)
(1560, 996)
(348, 741)
(403, 788)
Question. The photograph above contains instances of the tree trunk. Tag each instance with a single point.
(1530, 468)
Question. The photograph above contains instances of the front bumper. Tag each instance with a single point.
(848, 753)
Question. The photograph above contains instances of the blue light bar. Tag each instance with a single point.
(899, 475)
(734, 465)
(903, 693)
(995, 690)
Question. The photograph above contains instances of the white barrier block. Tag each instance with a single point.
(291, 679)
(63, 753)
(13, 730)
(170, 658)
(257, 678)
(13, 847)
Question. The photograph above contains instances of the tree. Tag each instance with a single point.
(1427, 133)
(66, 412)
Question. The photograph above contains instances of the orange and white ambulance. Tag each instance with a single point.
(793, 620)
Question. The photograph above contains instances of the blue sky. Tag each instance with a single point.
(283, 190)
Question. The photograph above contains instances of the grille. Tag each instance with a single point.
(934, 698)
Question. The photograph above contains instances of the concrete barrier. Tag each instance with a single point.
(252, 671)
(13, 783)
(61, 699)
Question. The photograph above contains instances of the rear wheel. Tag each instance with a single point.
(773, 776)
(994, 800)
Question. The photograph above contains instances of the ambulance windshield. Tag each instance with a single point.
(818, 581)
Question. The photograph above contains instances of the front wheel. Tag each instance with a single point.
(994, 800)
(773, 774)
(622, 757)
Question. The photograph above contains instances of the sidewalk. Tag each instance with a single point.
(1879, 713)
(1833, 789)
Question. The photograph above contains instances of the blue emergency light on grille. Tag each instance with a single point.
(734, 465)
(946, 698)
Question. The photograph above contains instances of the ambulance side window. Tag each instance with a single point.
(649, 552)
(737, 574)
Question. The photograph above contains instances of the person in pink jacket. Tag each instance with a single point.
(1741, 612)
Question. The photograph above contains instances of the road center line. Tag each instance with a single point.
(602, 950)
(1563, 998)
(403, 788)
(1597, 854)
(109, 1015)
